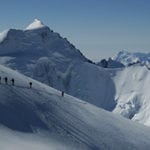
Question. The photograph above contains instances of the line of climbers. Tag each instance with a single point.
(13, 83)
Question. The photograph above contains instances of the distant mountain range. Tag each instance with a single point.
(127, 58)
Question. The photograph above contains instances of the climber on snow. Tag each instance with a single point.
(30, 83)
(6, 80)
(13, 82)
(62, 93)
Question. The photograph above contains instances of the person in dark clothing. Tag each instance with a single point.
(13, 82)
(62, 93)
(30, 83)
(6, 80)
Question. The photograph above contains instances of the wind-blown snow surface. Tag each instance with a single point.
(68, 121)
(132, 93)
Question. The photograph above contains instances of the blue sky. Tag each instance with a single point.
(99, 28)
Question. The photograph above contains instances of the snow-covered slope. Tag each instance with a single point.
(132, 93)
(70, 122)
(129, 58)
(45, 56)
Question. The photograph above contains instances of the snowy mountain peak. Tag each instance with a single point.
(36, 24)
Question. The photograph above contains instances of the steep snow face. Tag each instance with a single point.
(12, 42)
(129, 58)
(132, 93)
(36, 24)
(73, 123)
